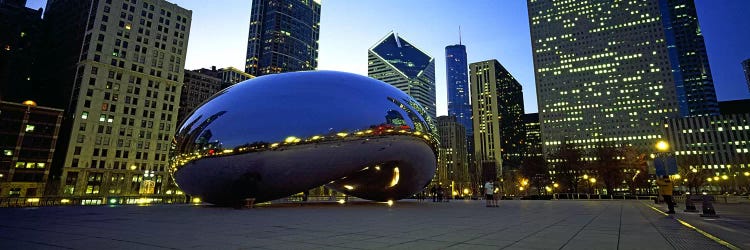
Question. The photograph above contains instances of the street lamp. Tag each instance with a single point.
(662, 146)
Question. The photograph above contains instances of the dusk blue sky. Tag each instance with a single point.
(492, 29)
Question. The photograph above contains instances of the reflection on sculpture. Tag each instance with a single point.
(278, 135)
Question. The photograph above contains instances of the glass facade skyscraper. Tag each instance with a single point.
(401, 64)
(457, 78)
(283, 36)
(687, 53)
(609, 72)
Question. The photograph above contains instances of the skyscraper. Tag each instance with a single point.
(687, 54)
(746, 70)
(453, 169)
(125, 89)
(609, 73)
(497, 105)
(19, 34)
(283, 36)
(533, 141)
(401, 64)
(457, 78)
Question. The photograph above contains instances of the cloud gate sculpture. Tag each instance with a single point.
(277, 135)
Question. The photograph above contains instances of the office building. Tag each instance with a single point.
(19, 36)
(453, 170)
(28, 134)
(719, 143)
(229, 75)
(196, 89)
(406, 67)
(687, 54)
(533, 141)
(283, 36)
(457, 78)
(497, 107)
(610, 72)
(125, 86)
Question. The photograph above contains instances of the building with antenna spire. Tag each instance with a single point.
(457, 84)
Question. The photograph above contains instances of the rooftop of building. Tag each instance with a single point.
(741, 106)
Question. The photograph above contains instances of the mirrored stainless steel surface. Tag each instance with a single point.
(277, 135)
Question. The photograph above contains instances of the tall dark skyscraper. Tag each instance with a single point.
(283, 36)
(607, 72)
(497, 104)
(457, 79)
(459, 106)
(19, 33)
(687, 53)
(533, 141)
(746, 70)
(406, 67)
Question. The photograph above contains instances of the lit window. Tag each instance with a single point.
(29, 128)
(84, 115)
(7, 152)
(20, 164)
(102, 118)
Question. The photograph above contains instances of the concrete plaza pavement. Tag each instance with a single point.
(732, 223)
(556, 224)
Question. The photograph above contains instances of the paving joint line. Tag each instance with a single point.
(704, 233)
(654, 225)
(536, 232)
(584, 226)
(619, 228)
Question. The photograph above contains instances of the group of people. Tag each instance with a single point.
(490, 196)
(438, 194)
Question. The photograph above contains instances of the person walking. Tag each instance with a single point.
(439, 193)
(665, 190)
(489, 194)
(433, 192)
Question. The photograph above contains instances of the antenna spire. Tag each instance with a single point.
(459, 35)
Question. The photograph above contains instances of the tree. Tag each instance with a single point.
(608, 166)
(636, 169)
(568, 165)
(692, 172)
(534, 169)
